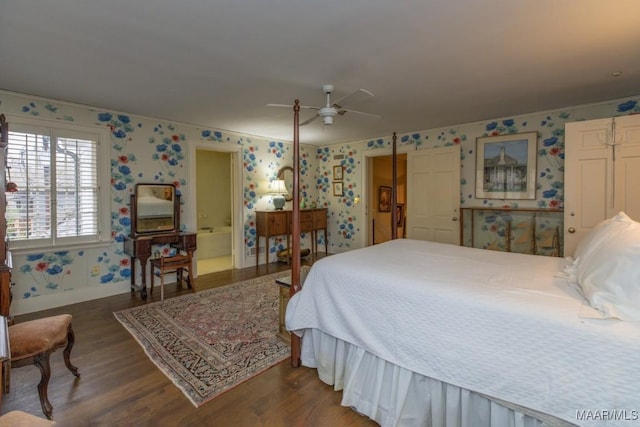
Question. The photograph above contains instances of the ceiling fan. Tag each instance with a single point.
(330, 110)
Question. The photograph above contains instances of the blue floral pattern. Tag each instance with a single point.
(144, 150)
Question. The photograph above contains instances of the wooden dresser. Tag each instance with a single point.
(278, 223)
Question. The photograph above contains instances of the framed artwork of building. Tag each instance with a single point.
(506, 166)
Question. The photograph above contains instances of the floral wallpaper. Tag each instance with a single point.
(348, 228)
(148, 150)
(142, 150)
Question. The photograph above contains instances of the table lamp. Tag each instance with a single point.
(279, 189)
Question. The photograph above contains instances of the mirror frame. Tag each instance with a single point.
(168, 220)
(287, 182)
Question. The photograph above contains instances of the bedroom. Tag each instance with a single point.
(100, 272)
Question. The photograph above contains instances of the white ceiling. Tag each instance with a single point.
(217, 63)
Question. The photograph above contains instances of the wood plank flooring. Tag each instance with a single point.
(120, 386)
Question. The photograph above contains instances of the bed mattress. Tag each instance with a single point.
(505, 325)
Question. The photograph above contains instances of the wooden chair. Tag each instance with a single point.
(178, 264)
(32, 342)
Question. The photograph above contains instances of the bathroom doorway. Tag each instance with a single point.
(214, 211)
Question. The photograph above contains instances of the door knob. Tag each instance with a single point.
(572, 230)
(455, 218)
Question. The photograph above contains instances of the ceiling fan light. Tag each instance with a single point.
(327, 120)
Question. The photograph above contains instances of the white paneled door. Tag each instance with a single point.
(433, 195)
(602, 174)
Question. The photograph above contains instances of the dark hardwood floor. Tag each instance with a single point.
(120, 386)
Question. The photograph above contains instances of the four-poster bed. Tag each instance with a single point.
(422, 333)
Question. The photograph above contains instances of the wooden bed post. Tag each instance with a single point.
(295, 228)
(394, 191)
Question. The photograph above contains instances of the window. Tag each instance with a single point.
(58, 171)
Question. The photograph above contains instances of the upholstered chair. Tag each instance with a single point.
(23, 419)
(32, 342)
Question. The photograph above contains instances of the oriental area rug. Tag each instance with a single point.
(210, 341)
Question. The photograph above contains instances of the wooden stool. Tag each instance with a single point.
(32, 342)
(173, 264)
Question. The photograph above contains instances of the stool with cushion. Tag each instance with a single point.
(32, 342)
(180, 264)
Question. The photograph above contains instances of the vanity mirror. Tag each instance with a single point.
(155, 208)
(286, 174)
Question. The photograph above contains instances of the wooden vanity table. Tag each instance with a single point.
(155, 220)
(140, 248)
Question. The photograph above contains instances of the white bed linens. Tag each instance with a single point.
(154, 207)
(497, 323)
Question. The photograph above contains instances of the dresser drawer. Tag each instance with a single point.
(320, 218)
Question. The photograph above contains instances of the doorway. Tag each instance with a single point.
(214, 211)
(379, 183)
(232, 184)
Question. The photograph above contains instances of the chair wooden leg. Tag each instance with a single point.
(71, 339)
(152, 274)
(42, 362)
(6, 369)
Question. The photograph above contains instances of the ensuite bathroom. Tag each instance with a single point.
(214, 211)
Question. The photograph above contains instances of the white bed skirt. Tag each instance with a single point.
(394, 396)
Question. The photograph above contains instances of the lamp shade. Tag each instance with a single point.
(278, 188)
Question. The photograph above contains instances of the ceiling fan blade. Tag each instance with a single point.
(362, 92)
(306, 122)
(291, 106)
(344, 110)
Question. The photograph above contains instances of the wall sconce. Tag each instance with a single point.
(279, 189)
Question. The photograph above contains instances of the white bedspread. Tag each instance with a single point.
(154, 207)
(497, 323)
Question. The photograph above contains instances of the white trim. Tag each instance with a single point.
(237, 220)
(101, 135)
(57, 248)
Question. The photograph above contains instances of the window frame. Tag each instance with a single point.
(62, 129)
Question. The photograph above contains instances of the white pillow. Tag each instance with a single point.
(608, 273)
(600, 232)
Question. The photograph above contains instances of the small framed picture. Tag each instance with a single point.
(337, 173)
(337, 189)
(384, 199)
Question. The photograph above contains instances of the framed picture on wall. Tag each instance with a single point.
(384, 199)
(337, 173)
(337, 188)
(506, 166)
